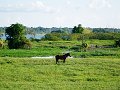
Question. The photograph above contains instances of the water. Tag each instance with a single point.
(37, 36)
(47, 57)
(28, 36)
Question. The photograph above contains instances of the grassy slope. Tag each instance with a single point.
(44, 74)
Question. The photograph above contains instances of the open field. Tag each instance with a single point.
(44, 74)
(51, 48)
(95, 69)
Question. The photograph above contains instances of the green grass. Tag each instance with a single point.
(104, 52)
(100, 42)
(48, 51)
(51, 48)
(40, 51)
(44, 74)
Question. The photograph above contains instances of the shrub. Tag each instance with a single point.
(1, 44)
(15, 36)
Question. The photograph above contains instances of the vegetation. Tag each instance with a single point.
(105, 30)
(39, 30)
(117, 43)
(1, 44)
(51, 48)
(77, 36)
(78, 29)
(44, 74)
(94, 66)
(15, 36)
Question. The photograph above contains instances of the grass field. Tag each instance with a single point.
(95, 69)
(44, 74)
(51, 48)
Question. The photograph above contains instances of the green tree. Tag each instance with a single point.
(16, 37)
(117, 43)
(78, 29)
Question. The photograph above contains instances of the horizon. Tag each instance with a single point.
(64, 13)
(61, 27)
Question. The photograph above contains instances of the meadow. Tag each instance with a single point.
(44, 74)
(95, 69)
(51, 48)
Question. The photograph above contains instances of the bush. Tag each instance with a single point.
(53, 37)
(1, 44)
(15, 36)
(117, 43)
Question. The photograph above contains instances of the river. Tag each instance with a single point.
(28, 36)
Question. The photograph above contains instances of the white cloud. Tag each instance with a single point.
(36, 6)
(100, 4)
(68, 2)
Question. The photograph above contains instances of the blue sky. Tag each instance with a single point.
(60, 13)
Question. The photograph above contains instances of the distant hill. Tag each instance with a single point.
(105, 30)
(40, 30)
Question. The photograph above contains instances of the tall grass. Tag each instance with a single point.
(51, 48)
(41, 51)
(44, 74)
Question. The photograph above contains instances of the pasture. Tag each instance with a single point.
(44, 74)
(51, 48)
(95, 69)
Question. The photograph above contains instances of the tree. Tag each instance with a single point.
(74, 29)
(16, 37)
(1, 43)
(117, 43)
(78, 29)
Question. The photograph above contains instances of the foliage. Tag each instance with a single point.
(52, 37)
(78, 36)
(117, 43)
(78, 29)
(105, 30)
(1, 43)
(2, 30)
(61, 30)
(1, 35)
(15, 36)
(87, 31)
(104, 36)
(57, 37)
(51, 48)
(38, 30)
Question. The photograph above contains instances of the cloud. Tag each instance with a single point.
(68, 2)
(100, 4)
(36, 6)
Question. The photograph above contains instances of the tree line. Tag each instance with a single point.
(40, 30)
(15, 34)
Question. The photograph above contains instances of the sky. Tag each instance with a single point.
(61, 13)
